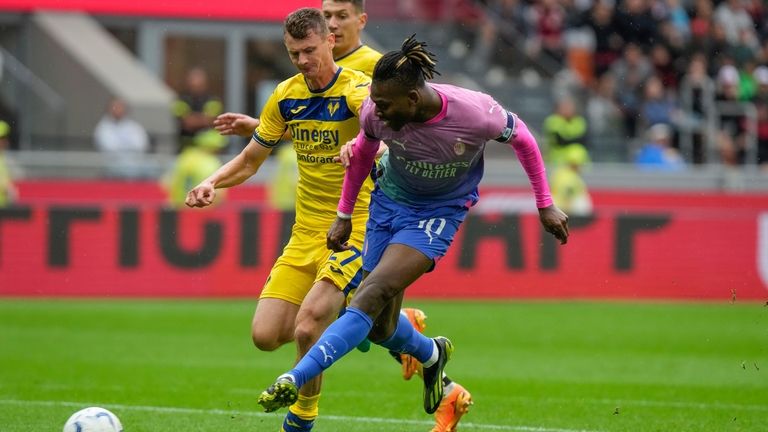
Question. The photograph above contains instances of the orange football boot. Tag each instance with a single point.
(410, 365)
(453, 406)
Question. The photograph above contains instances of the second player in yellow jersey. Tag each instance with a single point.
(363, 59)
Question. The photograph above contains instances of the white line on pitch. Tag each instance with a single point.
(260, 414)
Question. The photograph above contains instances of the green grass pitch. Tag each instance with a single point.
(188, 365)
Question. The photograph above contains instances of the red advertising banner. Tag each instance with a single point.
(230, 10)
(118, 239)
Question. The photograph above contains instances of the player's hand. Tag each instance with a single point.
(338, 235)
(555, 222)
(235, 124)
(345, 154)
(201, 196)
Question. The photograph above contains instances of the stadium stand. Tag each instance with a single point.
(528, 53)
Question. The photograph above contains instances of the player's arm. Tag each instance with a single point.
(271, 127)
(234, 172)
(516, 133)
(364, 151)
(235, 124)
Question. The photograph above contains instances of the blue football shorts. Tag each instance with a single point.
(429, 229)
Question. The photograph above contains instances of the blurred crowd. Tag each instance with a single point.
(699, 68)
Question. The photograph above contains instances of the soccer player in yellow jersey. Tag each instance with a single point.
(345, 19)
(307, 286)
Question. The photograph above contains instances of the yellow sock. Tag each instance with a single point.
(306, 407)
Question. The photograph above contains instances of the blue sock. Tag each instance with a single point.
(407, 340)
(294, 423)
(338, 339)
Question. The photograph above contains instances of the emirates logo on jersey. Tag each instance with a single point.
(333, 106)
(459, 147)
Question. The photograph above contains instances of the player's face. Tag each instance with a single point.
(345, 23)
(311, 54)
(395, 106)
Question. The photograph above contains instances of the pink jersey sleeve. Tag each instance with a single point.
(530, 158)
(363, 154)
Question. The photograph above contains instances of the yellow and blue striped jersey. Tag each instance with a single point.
(320, 122)
(362, 59)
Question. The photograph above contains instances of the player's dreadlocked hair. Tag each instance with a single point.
(410, 66)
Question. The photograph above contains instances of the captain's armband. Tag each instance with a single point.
(510, 131)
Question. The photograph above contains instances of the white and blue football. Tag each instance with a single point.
(93, 419)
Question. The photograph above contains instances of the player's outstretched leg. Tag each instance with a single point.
(456, 399)
(282, 393)
(452, 407)
(433, 375)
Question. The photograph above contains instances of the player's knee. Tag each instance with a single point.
(266, 341)
(306, 335)
(307, 332)
(375, 296)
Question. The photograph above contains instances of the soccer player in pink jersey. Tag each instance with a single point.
(426, 183)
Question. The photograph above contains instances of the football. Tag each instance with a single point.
(93, 419)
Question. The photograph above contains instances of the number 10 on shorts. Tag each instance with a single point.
(432, 227)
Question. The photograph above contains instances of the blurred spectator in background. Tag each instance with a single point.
(657, 152)
(608, 42)
(670, 37)
(196, 108)
(761, 104)
(606, 121)
(636, 23)
(122, 141)
(548, 19)
(717, 48)
(733, 17)
(747, 83)
(731, 134)
(503, 20)
(569, 191)
(697, 95)
(195, 163)
(562, 129)
(678, 18)
(664, 66)
(657, 106)
(745, 49)
(701, 24)
(8, 193)
(631, 71)
(282, 188)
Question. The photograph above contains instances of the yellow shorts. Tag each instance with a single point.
(306, 260)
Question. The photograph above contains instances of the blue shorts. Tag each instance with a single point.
(430, 230)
